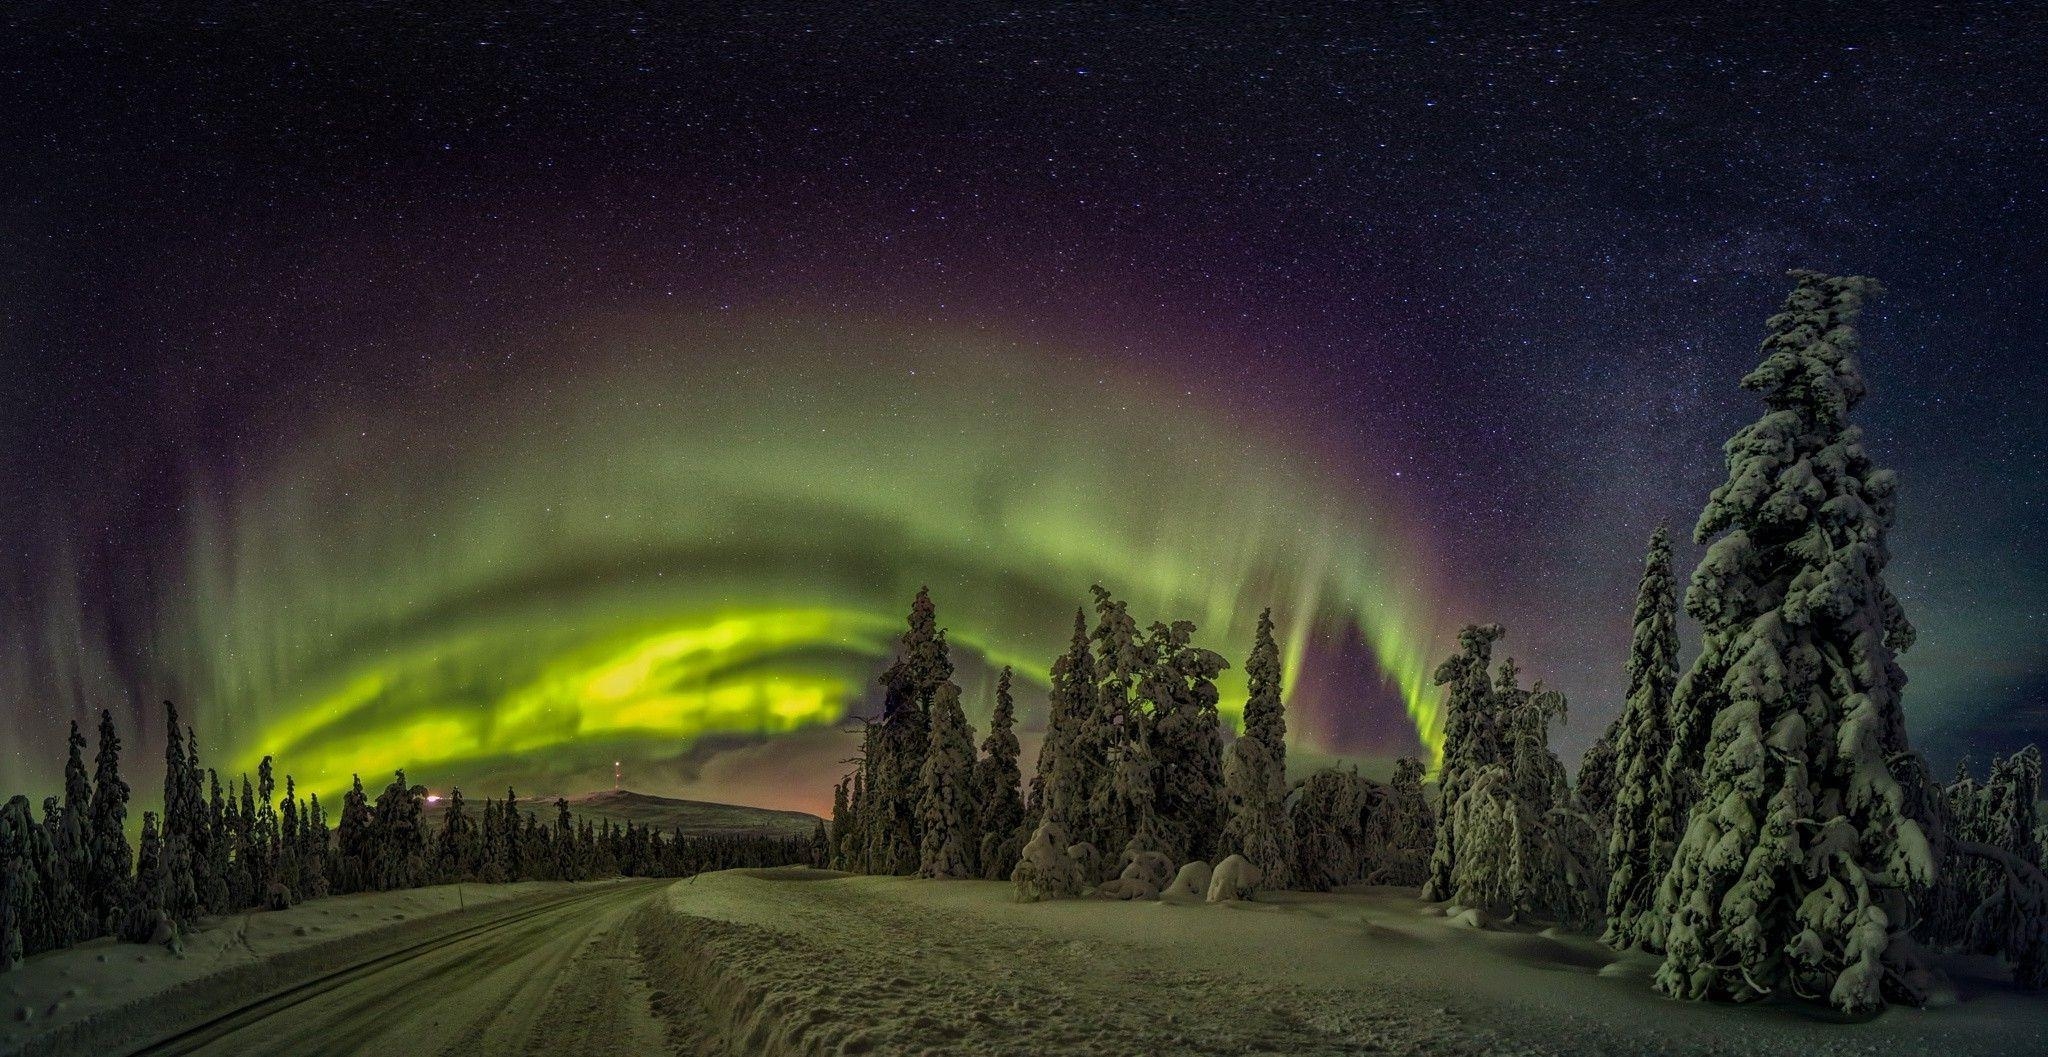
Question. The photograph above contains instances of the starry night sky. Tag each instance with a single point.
(334, 346)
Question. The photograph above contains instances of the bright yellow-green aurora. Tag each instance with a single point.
(711, 539)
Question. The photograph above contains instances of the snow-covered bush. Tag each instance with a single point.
(1045, 870)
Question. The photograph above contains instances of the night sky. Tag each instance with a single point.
(499, 396)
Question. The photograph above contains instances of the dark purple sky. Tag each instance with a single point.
(1522, 258)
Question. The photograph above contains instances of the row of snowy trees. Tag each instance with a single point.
(1135, 776)
(72, 874)
(1767, 827)
(1758, 818)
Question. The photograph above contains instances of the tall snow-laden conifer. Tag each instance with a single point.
(1472, 740)
(950, 841)
(1265, 721)
(1265, 715)
(1186, 741)
(1112, 732)
(998, 800)
(21, 901)
(904, 733)
(73, 843)
(1410, 826)
(144, 914)
(112, 861)
(841, 820)
(1594, 783)
(1069, 770)
(184, 815)
(1256, 826)
(1643, 824)
(1799, 862)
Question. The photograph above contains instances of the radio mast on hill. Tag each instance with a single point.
(615, 776)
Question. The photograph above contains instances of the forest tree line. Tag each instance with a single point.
(1759, 820)
(73, 875)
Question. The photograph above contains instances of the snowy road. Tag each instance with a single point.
(556, 977)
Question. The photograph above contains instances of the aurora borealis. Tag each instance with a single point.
(502, 395)
(631, 585)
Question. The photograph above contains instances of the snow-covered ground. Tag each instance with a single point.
(797, 961)
(105, 997)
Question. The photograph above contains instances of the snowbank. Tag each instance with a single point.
(58, 994)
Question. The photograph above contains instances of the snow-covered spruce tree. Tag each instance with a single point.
(352, 839)
(1643, 823)
(1569, 879)
(185, 823)
(1134, 778)
(1523, 849)
(855, 849)
(2011, 914)
(209, 851)
(1186, 740)
(841, 819)
(2011, 803)
(62, 910)
(1991, 896)
(455, 847)
(1328, 816)
(1265, 714)
(998, 799)
(1112, 732)
(144, 914)
(288, 872)
(1594, 784)
(234, 867)
(1799, 863)
(112, 861)
(951, 838)
(1471, 741)
(71, 842)
(897, 755)
(1076, 766)
(1401, 830)
(1265, 721)
(1256, 816)
(21, 904)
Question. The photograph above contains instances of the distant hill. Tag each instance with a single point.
(698, 818)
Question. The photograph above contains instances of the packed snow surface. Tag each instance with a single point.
(800, 961)
(810, 962)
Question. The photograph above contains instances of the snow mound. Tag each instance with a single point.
(1045, 870)
(1145, 874)
(1191, 882)
(1235, 878)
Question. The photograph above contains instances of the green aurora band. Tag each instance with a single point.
(711, 530)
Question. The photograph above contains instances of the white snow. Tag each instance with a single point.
(54, 992)
(1235, 878)
(841, 964)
